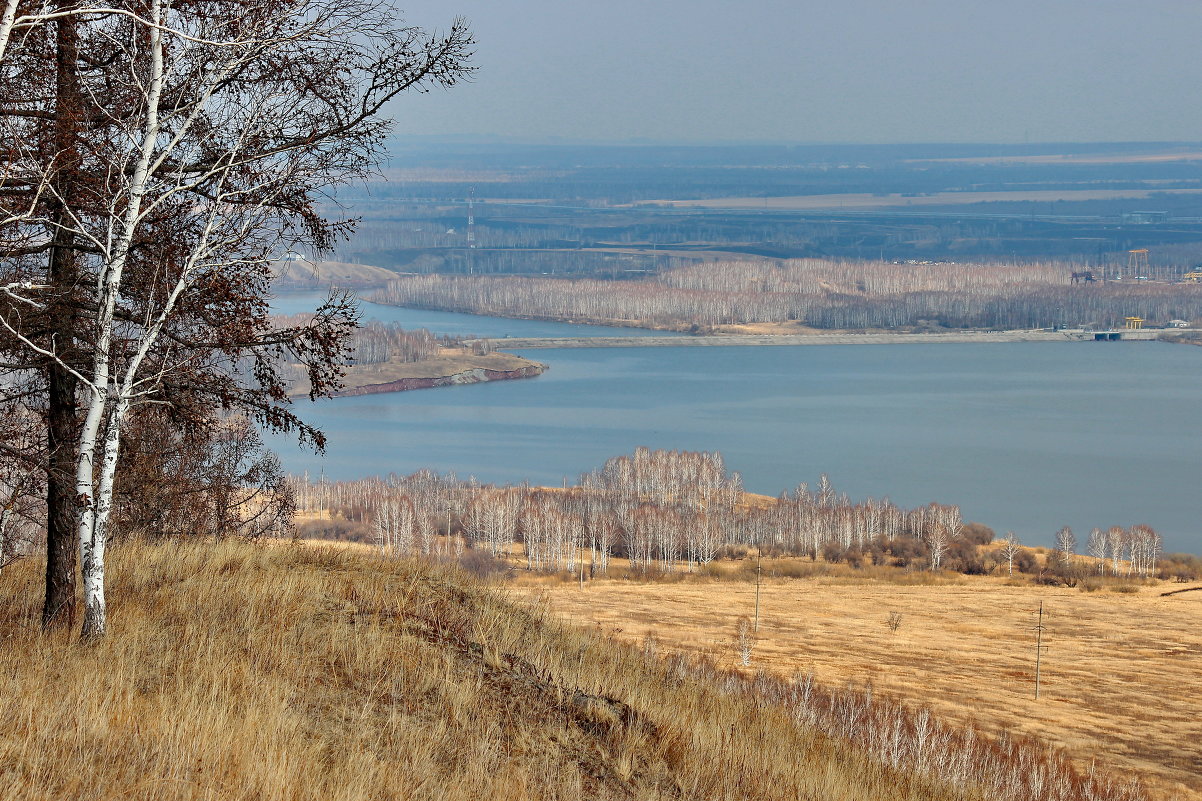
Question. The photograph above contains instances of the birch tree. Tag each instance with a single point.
(1116, 545)
(211, 133)
(1010, 548)
(1066, 545)
(938, 541)
(1096, 545)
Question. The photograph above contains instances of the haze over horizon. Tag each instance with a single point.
(860, 72)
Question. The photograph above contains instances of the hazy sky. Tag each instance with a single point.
(836, 71)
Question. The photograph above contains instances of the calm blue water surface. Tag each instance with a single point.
(464, 325)
(1025, 437)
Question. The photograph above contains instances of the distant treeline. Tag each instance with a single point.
(818, 293)
(662, 510)
(666, 511)
(375, 342)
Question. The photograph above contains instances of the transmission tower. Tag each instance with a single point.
(471, 219)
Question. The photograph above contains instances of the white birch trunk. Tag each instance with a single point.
(95, 493)
(7, 19)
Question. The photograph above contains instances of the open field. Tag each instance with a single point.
(864, 200)
(1120, 677)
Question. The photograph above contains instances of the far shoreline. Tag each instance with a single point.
(790, 333)
(874, 338)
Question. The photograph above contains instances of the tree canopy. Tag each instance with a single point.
(155, 156)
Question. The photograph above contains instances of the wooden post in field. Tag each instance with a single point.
(758, 573)
(321, 494)
(1039, 646)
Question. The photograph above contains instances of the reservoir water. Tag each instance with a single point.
(461, 325)
(1025, 436)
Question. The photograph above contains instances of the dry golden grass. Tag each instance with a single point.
(1121, 678)
(234, 671)
(789, 327)
(304, 275)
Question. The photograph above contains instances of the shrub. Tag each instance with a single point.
(877, 554)
(834, 552)
(977, 533)
(337, 530)
(1025, 562)
(962, 556)
(483, 564)
(797, 569)
(733, 552)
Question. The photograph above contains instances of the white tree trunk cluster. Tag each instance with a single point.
(1133, 551)
(661, 510)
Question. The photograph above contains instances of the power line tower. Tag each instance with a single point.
(471, 231)
(471, 219)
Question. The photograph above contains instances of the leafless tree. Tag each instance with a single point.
(938, 541)
(1066, 543)
(213, 478)
(1116, 545)
(1010, 549)
(1096, 544)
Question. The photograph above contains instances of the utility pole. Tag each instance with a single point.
(1039, 648)
(471, 219)
(471, 232)
(578, 544)
(758, 575)
(321, 494)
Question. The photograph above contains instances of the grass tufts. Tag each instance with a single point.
(289, 672)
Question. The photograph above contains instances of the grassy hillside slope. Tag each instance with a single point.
(292, 672)
(301, 276)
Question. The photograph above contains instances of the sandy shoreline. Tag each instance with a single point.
(876, 338)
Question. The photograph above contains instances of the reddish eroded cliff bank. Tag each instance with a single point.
(476, 375)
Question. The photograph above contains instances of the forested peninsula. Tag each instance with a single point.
(384, 357)
(791, 295)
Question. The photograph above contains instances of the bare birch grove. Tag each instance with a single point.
(663, 511)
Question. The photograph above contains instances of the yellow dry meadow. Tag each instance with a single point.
(1121, 674)
(286, 673)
